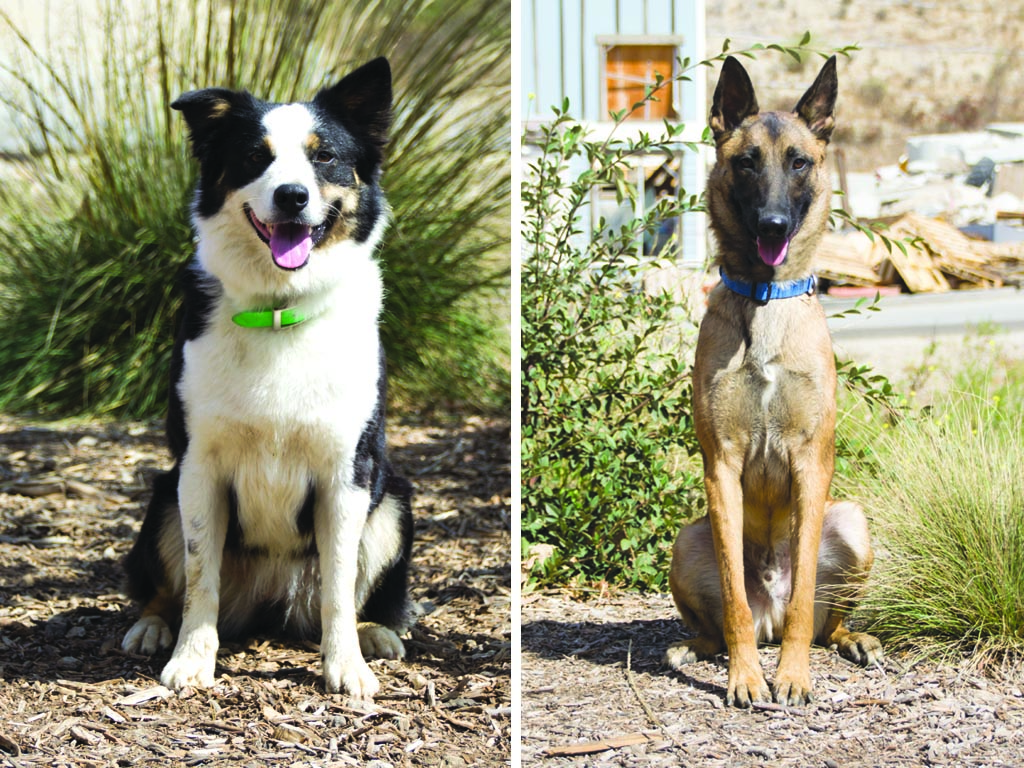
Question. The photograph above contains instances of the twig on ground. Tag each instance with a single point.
(601, 745)
(654, 719)
(10, 746)
(769, 706)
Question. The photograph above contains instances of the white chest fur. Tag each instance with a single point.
(272, 413)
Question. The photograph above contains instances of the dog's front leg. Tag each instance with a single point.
(810, 492)
(340, 517)
(204, 517)
(725, 509)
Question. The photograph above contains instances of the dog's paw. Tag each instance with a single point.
(352, 676)
(147, 636)
(793, 678)
(745, 692)
(379, 642)
(792, 693)
(193, 661)
(688, 651)
(679, 655)
(188, 672)
(861, 648)
(746, 684)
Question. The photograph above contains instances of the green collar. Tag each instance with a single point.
(271, 318)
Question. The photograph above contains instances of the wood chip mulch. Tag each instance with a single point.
(595, 693)
(71, 501)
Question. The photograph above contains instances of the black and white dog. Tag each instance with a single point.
(281, 513)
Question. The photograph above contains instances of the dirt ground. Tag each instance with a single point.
(71, 501)
(595, 693)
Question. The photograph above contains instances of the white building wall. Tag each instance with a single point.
(561, 59)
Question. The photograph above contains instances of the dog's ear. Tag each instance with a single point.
(361, 100)
(206, 111)
(734, 100)
(817, 106)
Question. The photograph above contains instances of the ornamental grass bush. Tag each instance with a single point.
(95, 218)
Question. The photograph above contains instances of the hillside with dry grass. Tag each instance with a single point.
(923, 67)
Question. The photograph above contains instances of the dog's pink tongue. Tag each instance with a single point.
(772, 252)
(290, 245)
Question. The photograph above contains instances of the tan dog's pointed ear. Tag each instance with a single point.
(817, 106)
(734, 100)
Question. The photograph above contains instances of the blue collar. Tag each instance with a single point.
(765, 292)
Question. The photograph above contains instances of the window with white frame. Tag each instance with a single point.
(654, 177)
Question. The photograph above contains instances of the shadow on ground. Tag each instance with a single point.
(641, 644)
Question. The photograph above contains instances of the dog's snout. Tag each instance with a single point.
(773, 225)
(291, 199)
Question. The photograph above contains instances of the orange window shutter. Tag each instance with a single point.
(629, 69)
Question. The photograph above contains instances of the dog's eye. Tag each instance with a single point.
(258, 156)
(746, 163)
(799, 164)
(324, 157)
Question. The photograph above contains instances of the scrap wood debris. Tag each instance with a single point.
(938, 257)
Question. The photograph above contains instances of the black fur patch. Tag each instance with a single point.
(388, 603)
(197, 304)
(144, 566)
(762, 185)
(370, 465)
(773, 125)
(306, 517)
(228, 140)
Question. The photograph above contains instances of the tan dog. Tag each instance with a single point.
(775, 560)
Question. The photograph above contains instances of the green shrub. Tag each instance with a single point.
(97, 237)
(605, 379)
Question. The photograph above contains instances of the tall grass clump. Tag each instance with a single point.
(866, 404)
(96, 227)
(947, 505)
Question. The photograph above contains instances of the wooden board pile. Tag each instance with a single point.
(937, 257)
(1007, 259)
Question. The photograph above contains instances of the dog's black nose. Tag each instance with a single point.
(772, 225)
(291, 198)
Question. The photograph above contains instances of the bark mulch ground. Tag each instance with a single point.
(595, 693)
(71, 501)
